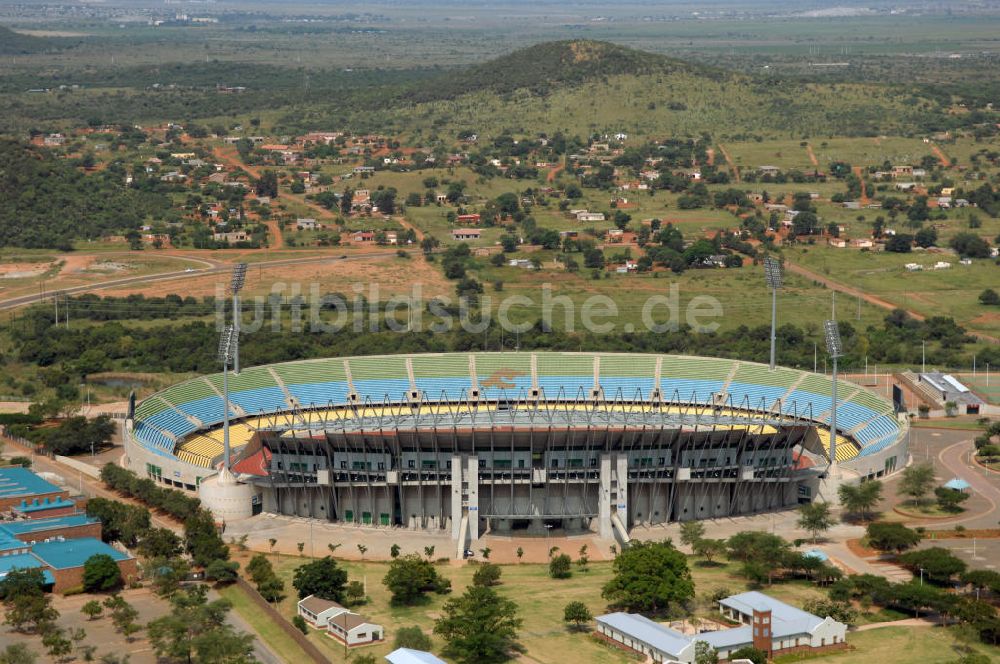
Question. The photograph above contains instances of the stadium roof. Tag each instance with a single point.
(23, 561)
(66, 554)
(17, 481)
(40, 525)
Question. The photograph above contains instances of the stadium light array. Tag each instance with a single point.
(228, 343)
(239, 278)
(835, 349)
(772, 274)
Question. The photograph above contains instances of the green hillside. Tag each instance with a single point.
(14, 43)
(581, 87)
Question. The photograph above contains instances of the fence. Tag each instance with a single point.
(272, 614)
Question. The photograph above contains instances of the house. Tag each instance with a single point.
(391, 237)
(765, 623)
(944, 202)
(862, 243)
(838, 242)
(361, 237)
(615, 235)
(905, 186)
(913, 267)
(942, 265)
(317, 611)
(902, 171)
(585, 216)
(947, 191)
(484, 252)
(473, 219)
(352, 629)
(626, 267)
(410, 656)
(650, 175)
(522, 263)
(53, 140)
(466, 234)
(307, 224)
(440, 198)
(769, 170)
(231, 237)
(364, 170)
(19, 486)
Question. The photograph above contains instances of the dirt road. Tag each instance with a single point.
(867, 297)
(710, 154)
(551, 177)
(729, 160)
(864, 188)
(229, 156)
(942, 157)
(812, 155)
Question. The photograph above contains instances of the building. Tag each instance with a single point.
(19, 487)
(466, 234)
(230, 237)
(472, 219)
(317, 611)
(433, 458)
(307, 224)
(353, 629)
(410, 656)
(362, 237)
(65, 558)
(73, 526)
(946, 388)
(766, 624)
(585, 216)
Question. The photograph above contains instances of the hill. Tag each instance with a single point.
(14, 43)
(46, 202)
(586, 87)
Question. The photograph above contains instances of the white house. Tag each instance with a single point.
(352, 629)
(317, 611)
(589, 216)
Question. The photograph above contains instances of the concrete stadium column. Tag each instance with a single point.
(472, 500)
(621, 474)
(457, 473)
(614, 493)
(604, 503)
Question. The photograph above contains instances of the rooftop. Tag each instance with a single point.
(410, 656)
(22, 561)
(17, 481)
(39, 525)
(642, 628)
(785, 619)
(318, 604)
(36, 505)
(66, 554)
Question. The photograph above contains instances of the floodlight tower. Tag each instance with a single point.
(835, 349)
(239, 278)
(228, 347)
(772, 273)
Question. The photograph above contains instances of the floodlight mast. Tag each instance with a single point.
(772, 273)
(239, 278)
(228, 342)
(835, 349)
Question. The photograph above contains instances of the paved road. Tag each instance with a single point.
(217, 268)
(956, 459)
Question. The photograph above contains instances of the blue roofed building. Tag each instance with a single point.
(411, 656)
(19, 485)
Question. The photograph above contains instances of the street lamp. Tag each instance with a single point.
(772, 274)
(239, 278)
(228, 343)
(835, 349)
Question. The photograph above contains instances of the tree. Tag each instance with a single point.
(196, 630)
(123, 616)
(559, 566)
(578, 614)
(362, 549)
(56, 644)
(704, 653)
(649, 577)
(989, 297)
(488, 574)
(167, 574)
(92, 609)
(202, 540)
(939, 564)
(862, 498)
(755, 655)
(410, 578)
(301, 546)
(223, 572)
(101, 573)
(519, 553)
(272, 541)
(300, 624)
(901, 243)
(17, 653)
(970, 245)
(22, 581)
(762, 554)
(815, 518)
(394, 551)
(429, 552)
(691, 532)
(950, 500)
(480, 627)
(354, 592)
(323, 578)
(31, 613)
(486, 553)
(891, 537)
(709, 549)
(412, 637)
(917, 481)
(159, 543)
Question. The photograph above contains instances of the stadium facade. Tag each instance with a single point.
(465, 442)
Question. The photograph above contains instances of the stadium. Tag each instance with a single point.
(468, 443)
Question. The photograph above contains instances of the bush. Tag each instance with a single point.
(412, 637)
(559, 567)
(488, 574)
(300, 624)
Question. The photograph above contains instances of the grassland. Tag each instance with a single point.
(546, 639)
